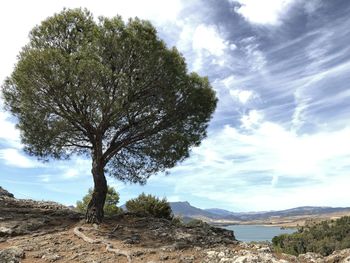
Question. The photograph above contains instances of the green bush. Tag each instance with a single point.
(150, 205)
(177, 221)
(323, 238)
(196, 223)
(110, 208)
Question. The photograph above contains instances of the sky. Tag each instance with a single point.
(280, 136)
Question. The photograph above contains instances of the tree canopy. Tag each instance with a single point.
(109, 89)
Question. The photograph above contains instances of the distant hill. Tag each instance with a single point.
(185, 209)
(298, 211)
(220, 212)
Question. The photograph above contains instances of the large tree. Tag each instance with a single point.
(110, 90)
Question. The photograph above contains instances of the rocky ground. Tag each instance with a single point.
(32, 231)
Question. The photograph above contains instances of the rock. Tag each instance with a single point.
(22, 216)
(5, 231)
(347, 259)
(264, 250)
(224, 232)
(186, 259)
(310, 257)
(180, 245)
(340, 256)
(163, 257)
(137, 253)
(251, 254)
(51, 257)
(212, 254)
(12, 255)
(38, 254)
(134, 239)
(4, 192)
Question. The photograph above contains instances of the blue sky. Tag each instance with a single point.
(280, 136)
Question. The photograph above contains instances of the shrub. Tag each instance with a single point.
(196, 223)
(150, 205)
(110, 208)
(323, 238)
(177, 221)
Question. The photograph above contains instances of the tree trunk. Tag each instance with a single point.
(94, 213)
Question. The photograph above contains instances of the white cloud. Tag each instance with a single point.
(75, 168)
(263, 198)
(45, 178)
(174, 198)
(13, 157)
(267, 12)
(70, 173)
(274, 158)
(242, 95)
(312, 5)
(8, 132)
(207, 38)
(233, 47)
(202, 43)
(252, 119)
(254, 56)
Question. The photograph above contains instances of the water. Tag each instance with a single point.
(248, 233)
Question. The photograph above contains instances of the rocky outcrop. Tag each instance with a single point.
(340, 256)
(262, 253)
(49, 232)
(4, 192)
(134, 229)
(22, 216)
(244, 253)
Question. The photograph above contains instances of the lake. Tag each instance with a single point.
(248, 233)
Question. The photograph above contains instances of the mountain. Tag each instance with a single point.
(298, 211)
(186, 210)
(219, 212)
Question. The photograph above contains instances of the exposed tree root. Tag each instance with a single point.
(77, 232)
(109, 246)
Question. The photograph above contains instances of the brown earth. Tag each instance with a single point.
(32, 231)
(44, 231)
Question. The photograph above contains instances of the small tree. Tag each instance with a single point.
(109, 90)
(110, 208)
(150, 205)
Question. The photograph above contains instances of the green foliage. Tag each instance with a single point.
(110, 208)
(150, 205)
(323, 238)
(109, 88)
(196, 223)
(177, 221)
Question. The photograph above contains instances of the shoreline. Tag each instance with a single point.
(282, 226)
(282, 222)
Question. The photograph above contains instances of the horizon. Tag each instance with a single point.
(279, 138)
(261, 211)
